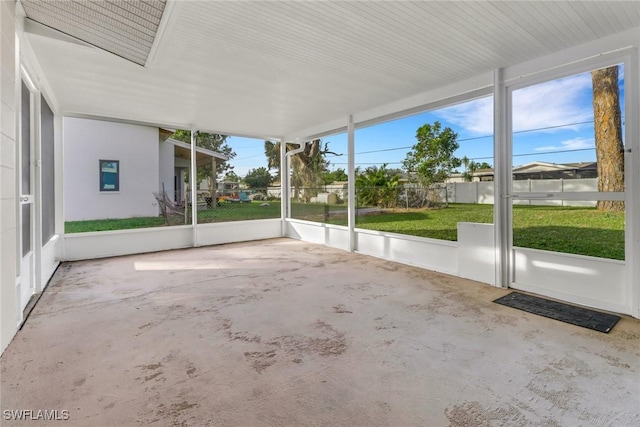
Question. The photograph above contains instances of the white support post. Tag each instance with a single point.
(502, 181)
(351, 185)
(284, 186)
(192, 186)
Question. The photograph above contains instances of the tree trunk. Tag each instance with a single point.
(608, 135)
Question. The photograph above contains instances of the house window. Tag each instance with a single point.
(109, 175)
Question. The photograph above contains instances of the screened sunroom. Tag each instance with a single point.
(286, 113)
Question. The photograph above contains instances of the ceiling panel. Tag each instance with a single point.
(271, 68)
(124, 28)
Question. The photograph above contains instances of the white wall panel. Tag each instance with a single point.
(476, 252)
(590, 281)
(437, 255)
(238, 231)
(314, 232)
(102, 244)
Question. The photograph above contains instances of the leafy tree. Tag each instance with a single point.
(336, 175)
(258, 178)
(231, 177)
(210, 141)
(378, 187)
(431, 159)
(483, 165)
(608, 135)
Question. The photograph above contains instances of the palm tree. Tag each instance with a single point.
(608, 135)
(272, 152)
(466, 176)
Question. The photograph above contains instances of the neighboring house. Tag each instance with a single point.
(111, 169)
(537, 170)
(543, 170)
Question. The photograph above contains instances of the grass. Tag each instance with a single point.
(575, 230)
(112, 224)
(225, 212)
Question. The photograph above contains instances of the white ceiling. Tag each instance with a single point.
(271, 68)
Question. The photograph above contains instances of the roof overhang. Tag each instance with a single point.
(204, 157)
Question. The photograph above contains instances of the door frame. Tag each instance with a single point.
(503, 114)
(26, 280)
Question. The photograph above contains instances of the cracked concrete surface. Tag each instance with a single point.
(282, 332)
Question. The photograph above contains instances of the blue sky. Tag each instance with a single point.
(552, 121)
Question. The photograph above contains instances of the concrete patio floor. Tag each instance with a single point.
(287, 333)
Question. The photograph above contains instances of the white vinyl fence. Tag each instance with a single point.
(482, 192)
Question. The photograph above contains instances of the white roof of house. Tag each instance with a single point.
(274, 69)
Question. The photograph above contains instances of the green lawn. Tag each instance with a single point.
(225, 212)
(112, 224)
(583, 231)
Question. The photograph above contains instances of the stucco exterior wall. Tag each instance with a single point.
(86, 142)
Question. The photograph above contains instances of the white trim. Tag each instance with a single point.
(160, 32)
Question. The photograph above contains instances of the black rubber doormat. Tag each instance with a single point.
(590, 319)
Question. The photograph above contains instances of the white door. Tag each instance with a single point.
(561, 246)
(26, 229)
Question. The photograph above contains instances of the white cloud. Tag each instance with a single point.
(555, 103)
(569, 144)
(474, 116)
